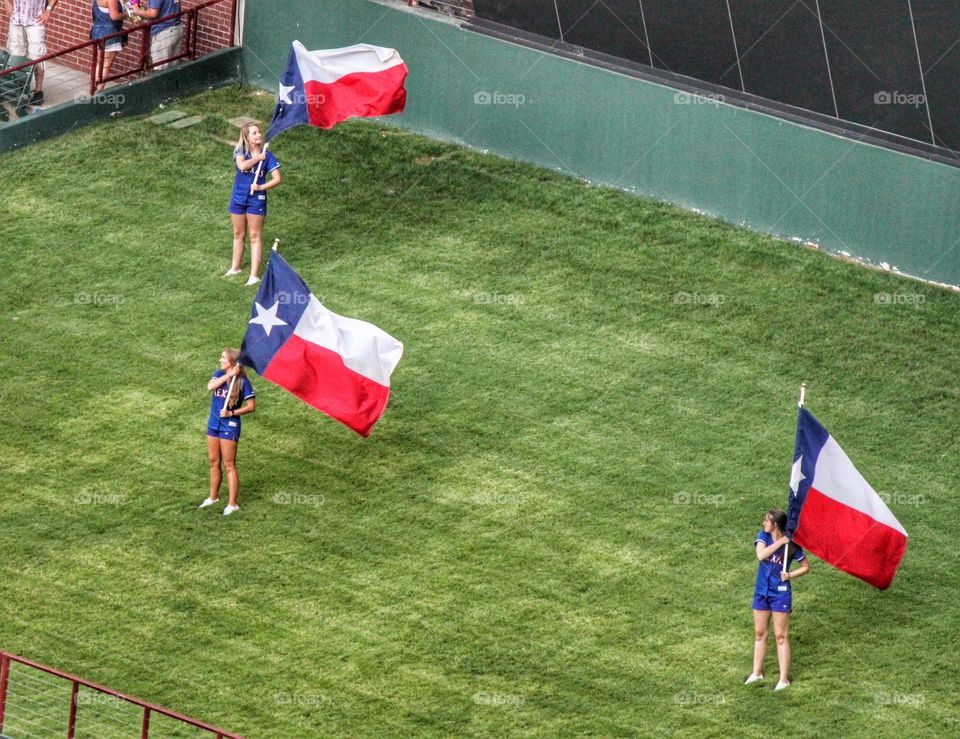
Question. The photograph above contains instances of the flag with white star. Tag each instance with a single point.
(338, 365)
(834, 513)
(322, 88)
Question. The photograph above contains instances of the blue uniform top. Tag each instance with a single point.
(220, 397)
(768, 573)
(166, 7)
(243, 180)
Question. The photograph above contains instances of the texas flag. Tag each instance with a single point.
(835, 514)
(339, 365)
(325, 87)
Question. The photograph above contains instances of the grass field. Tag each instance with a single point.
(550, 531)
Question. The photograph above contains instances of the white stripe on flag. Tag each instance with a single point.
(363, 347)
(837, 478)
(328, 65)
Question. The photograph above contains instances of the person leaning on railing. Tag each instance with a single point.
(108, 18)
(166, 37)
(27, 36)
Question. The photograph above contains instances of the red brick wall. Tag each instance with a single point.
(70, 25)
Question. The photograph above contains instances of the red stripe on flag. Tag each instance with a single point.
(358, 94)
(318, 377)
(850, 540)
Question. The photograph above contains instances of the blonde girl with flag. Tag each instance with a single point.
(248, 201)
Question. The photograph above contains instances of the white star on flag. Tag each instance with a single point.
(796, 476)
(285, 91)
(267, 317)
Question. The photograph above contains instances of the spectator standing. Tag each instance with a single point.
(108, 18)
(166, 37)
(28, 34)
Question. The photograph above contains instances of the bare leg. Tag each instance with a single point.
(228, 449)
(256, 243)
(108, 57)
(781, 623)
(239, 236)
(761, 626)
(213, 452)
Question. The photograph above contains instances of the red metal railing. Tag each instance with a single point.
(141, 32)
(73, 715)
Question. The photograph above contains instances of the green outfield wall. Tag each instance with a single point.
(745, 167)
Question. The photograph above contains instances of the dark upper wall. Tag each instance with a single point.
(885, 64)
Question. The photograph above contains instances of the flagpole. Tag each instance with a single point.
(259, 167)
(226, 400)
(786, 547)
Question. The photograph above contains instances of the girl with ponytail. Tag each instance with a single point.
(233, 397)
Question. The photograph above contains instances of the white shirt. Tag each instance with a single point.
(25, 12)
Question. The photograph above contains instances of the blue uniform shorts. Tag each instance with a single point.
(253, 205)
(782, 602)
(225, 431)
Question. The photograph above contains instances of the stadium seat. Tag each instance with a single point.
(4, 58)
(15, 87)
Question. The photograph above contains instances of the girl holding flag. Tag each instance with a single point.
(772, 594)
(230, 388)
(248, 202)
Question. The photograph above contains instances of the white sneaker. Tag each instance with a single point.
(782, 685)
(752, 679)
(252, 280)
(208, 501)
(230, 509)
(231, 272)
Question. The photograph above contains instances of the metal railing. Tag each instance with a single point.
(142, 63)
(48, 716)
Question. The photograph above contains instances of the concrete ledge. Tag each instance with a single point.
(132, 98)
